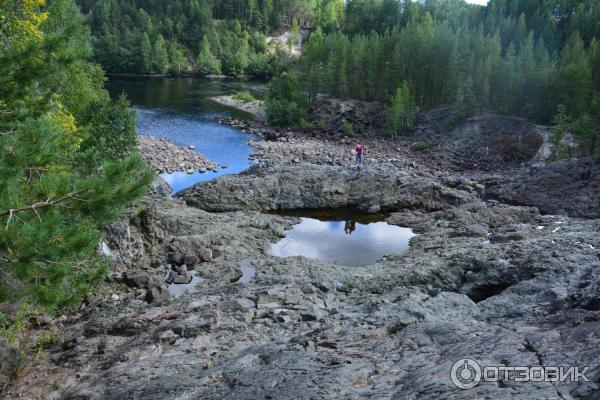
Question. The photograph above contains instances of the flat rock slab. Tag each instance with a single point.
(319, 186)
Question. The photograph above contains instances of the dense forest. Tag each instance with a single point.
(204, 37)
(539, 60)
(68, 157)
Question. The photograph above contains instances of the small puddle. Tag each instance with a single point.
(248, 271)
(177, 290)
(342, 237)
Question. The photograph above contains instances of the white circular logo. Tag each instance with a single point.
(465, 373)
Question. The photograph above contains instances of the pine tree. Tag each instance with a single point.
(294, 34)
(559, 131)
(160, 56)
(466, 103)
(400, 114)
(60, 181)
(587, 128)
(146, 54)
(177, 57)
(207, 63)
(285, 103)
(575, 75)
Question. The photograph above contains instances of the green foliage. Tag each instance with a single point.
(348, 129)
(284, 102)
(244, 96)
(294, 34)
(160, 56)
(304, 124)
(27, 347)
(207, 63)
(178, 58)
(61, 176)
(400, 114)
(137, 36)
(110, 130)
(423, 146)
(587, 128)
(509, 58)
(465, 104)
(559, 131)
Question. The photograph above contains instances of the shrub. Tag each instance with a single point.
(26, 347)
(348, 129)
(400, 114)
(423, 146)
(244, 96)
(304, 124)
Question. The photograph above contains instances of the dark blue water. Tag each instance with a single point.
(180, 109)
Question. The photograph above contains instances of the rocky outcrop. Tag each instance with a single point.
(570, 187)
(491, 282)
(380, 187)
(485, 142)
(503, 285)
(336, 115)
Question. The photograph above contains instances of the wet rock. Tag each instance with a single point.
(141, 279)
(182, 278)
(157, 295)
(306, 329)
(182, 269)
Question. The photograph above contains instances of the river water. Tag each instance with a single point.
(180, 109)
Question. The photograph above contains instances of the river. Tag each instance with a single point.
(180, 109)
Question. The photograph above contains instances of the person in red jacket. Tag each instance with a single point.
(359, 154)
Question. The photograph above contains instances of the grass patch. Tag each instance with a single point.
(244, 96)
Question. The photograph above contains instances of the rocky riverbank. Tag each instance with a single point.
(168, 157)
(503, 285)
(255, 108)
(484, 144)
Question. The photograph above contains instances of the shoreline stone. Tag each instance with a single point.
(303, 329)
(501, 284)
(255, 108)
(168, 157)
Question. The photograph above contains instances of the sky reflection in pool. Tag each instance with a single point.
(343, 242)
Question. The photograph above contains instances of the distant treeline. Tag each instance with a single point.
(204, 37)
(519, 58)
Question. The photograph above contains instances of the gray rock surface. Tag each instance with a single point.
(320, 186)
(495, 283)
(570, 187)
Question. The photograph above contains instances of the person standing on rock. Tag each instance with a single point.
(358, 154)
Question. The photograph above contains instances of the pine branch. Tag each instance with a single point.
(44, 204)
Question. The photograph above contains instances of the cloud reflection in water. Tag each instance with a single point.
(342, 242)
